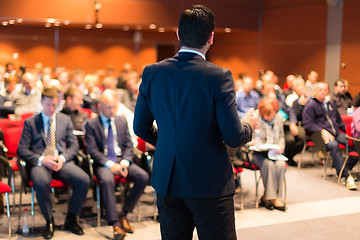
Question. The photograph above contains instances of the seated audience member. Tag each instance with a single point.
(339, 98)
(48, 146)
(6, 107)
(109, 144)
(311, 83)
(321, 115)
(246, 98)
(299, 104)
(73, 101)
(124, 73)
(28, 98)
(355, 126)
(347, 93)
(270, 123)
(294, 134)
(77, 79)
(11, 84)
(288, 86)
(300, 84)
(356, 101)
(91, 92)
(132, 90)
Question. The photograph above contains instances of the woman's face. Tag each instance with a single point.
(270, 116)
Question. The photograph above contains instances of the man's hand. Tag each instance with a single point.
(303, 100)
(294, 129)
(53, 163)
(119, 169)
(250, 118)
(326, 136)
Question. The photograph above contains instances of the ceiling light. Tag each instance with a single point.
(99, 25)
(126, 28)
(47, 24)
(19, 20)
(57, 24)
(66, 22)
(161, 29)
(152, 26)
(138, 27)
(5, 23)
(11, 21)
(88, 26)
(227, 30)
(51, 20)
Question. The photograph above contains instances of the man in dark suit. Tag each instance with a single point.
(193, 103)
(48, 146)
(109, 144)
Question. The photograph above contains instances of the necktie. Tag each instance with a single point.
(110, 143)
(50, 140)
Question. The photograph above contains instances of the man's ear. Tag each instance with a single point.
(211, 39)
(177, 34)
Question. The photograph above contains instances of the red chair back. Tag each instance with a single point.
(26, 115)
(86, 110)
(12, 139)
(347, 119)
(141, 145)
(8, 123)
(348, 132)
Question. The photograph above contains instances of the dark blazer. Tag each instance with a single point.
(95, 139)
(193, 103)
(32, 142)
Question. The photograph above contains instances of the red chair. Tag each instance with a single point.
(308, 144)
(5, 189)
(11, 140)
(26, 115)
(237, 173)
(86, 110)
(6, 123)
(352, 148)
(347, 119)
(27, 184)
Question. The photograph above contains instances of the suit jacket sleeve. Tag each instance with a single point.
(124, 140)
(143, 118)
(234, 133)
(93, 145)
(25, 151)
(70, 150)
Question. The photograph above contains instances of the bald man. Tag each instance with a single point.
(109, 144)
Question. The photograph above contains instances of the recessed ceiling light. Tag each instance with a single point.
(66, 22)
(161, 29)
(138, 27)
(19, 20)
(88, 26)
(152, 26)
(11, 21)
(5, 23)
(227, 30)
(47, 24)
(126, 28)
(51, 20)
(57, 24)
(99, 25)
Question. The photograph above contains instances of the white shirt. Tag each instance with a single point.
(192, 51)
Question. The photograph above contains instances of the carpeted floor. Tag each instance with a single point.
(318, 209)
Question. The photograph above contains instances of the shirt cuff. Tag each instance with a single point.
(125, 162)
(62, 158)
(109, 164)
(39, 162)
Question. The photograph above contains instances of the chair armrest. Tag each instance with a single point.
(352, 138)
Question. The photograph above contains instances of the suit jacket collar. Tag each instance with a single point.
(187, 56)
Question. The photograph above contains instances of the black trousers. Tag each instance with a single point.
(70, 174)
(213, 218)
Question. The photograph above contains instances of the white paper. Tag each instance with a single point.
(273, 155)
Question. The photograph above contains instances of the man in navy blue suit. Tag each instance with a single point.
(49, 147)
(193, 104)
(109, 144)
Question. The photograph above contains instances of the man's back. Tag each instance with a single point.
(193, 103)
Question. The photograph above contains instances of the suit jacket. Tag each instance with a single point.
(95, 139)
(193, 103)
(32, 141)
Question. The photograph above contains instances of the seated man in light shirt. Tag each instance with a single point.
(108, 142)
